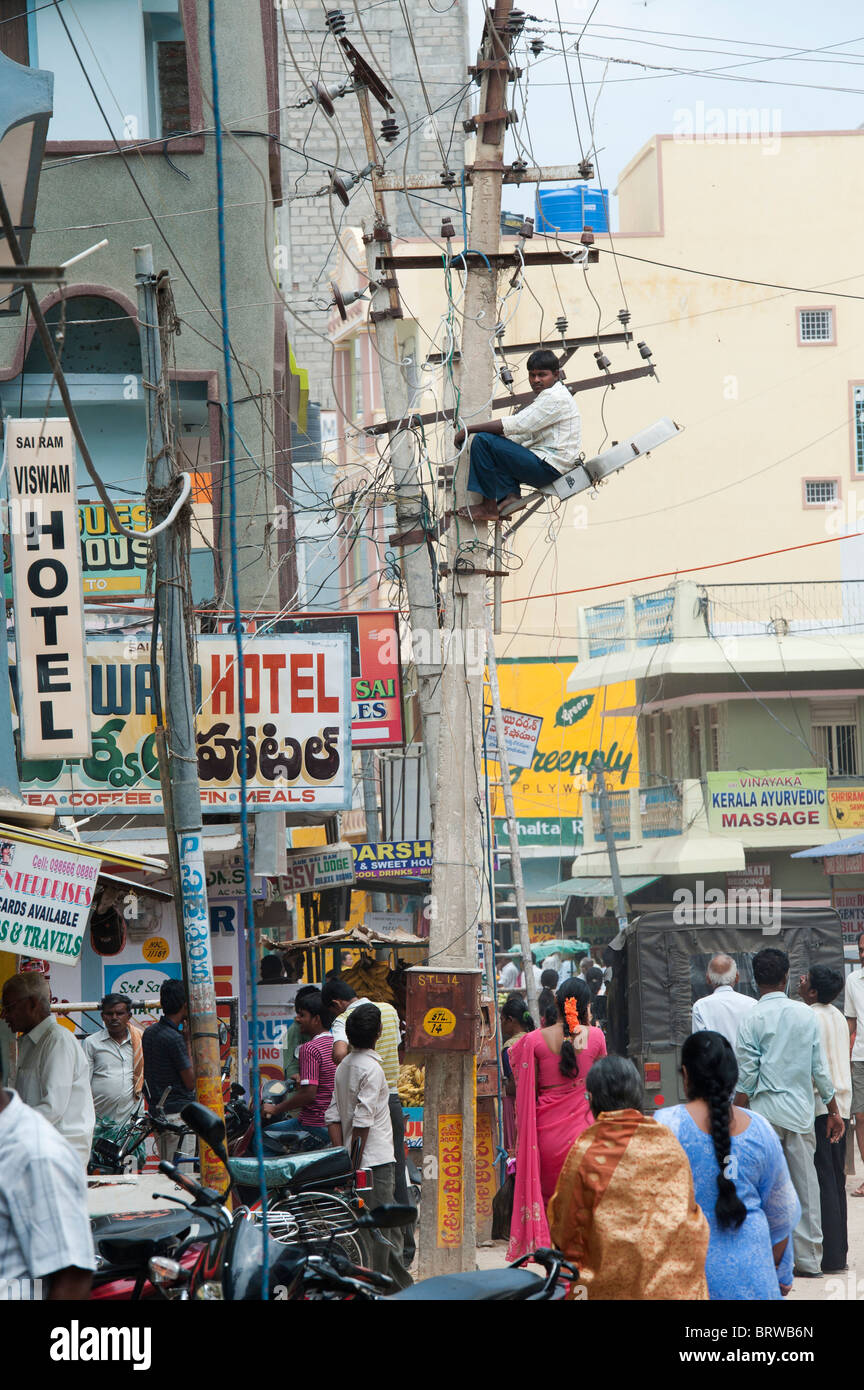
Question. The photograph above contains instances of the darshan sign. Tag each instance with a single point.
(394, 859)
(45, 900)
(46, 578)
(298, 736)
(767, 800)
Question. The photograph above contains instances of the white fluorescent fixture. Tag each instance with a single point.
(593, 470)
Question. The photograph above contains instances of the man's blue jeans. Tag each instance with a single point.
(498, 466)
(292, 1126)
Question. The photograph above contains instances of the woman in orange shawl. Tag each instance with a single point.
(624, 1210)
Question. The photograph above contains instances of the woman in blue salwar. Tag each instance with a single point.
(740, 1176)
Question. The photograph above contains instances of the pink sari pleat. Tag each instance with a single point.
(529, 1229)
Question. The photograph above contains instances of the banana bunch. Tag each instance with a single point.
(412, 1081)
(369, 978)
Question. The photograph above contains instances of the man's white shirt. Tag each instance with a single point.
(550, 426)
(44, 1224)
(53, 1077)
(722, 1012)
(112, 1075)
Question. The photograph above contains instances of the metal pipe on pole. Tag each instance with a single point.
(179, 771)
(598, 767)
(512, 827)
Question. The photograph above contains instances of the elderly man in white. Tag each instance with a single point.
(724, 1010)
(53, 1076)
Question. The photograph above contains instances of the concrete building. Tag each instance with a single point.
(732, 679)
(421, 52)
(142, 169)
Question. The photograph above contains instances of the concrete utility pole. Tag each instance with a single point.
(598, 767)
(416, 561)
(512, 827)
(178, 765)
(457, 876)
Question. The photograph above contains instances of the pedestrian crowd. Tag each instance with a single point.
(731, 1194)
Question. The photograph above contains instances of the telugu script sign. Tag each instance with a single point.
(767, 800)
(521, 732)
(51, 693)
(451, 1182)
(298, 739)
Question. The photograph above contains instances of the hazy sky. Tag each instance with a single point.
(660, 65)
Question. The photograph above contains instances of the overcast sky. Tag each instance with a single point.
(663, 65)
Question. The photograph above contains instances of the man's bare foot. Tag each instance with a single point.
(510, 504)
(486, 511)
(859, 1191)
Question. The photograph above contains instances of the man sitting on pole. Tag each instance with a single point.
(533, 446)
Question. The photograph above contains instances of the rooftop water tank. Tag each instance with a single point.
(571, 209)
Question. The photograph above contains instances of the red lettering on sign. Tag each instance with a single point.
(301, 704)
(221, 685)
(273, 663)
(252, 677)
(327, 704)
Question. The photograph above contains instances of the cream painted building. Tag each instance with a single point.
(767, 382)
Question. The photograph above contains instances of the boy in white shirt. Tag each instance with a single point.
(359, 1117)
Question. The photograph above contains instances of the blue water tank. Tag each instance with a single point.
(571, 209)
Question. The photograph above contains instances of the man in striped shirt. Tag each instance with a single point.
(534, 446)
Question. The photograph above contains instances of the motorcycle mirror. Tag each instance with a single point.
(388, 1217)
(205, 1124)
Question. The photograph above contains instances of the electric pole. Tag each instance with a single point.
(512, 827)
(598, 767)
(178, 762)
(416, 561)
(457, 876)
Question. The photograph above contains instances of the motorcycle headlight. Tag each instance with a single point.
(210, 1290)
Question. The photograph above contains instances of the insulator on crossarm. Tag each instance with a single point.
(624, 317)
(644, 350)
(537, 46)
(336, 21)
(389, 130)
(506, 376)
(561, 325)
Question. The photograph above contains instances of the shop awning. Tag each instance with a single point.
(115, 855)
(595, 887)
(852, 844)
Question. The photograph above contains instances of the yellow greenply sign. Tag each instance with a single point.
(576, 728)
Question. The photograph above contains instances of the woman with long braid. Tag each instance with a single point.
(740, 1176)
(550, 1066)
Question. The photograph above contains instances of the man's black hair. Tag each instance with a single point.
(363, 1025)
(543, 361)
(826, 982)
(112, 1000)
(172, 997)
(312, 1003)
(337, 989)
(549, 979)
(770, 966)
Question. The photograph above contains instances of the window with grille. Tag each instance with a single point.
(816, 325)
(836, 748)
(858, 404)
(713, 749)
(694, 743)
(820, 492)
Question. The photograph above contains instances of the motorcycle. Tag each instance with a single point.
(229, 1265)
(116, 1156)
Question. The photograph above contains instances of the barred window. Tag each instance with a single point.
(820, 492)
(836, 748)
(816, 325)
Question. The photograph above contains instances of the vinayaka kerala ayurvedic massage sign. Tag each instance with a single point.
(767, 800)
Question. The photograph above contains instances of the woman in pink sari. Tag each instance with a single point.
(550, 1066)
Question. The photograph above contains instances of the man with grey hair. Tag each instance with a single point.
(53, 1076)
(722, 1011)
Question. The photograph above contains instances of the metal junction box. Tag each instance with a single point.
(443, 1009)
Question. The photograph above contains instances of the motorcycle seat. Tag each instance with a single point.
(484, 1285)
(294, 1170)
(130, 1244)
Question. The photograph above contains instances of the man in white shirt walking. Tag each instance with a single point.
(359, 1117)
(534, 446)
(853, 1008)
(722, 1011)
(52, 1076)
(46, 1249)
(116, 1060)
(818, 989)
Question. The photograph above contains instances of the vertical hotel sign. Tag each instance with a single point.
(53, 691)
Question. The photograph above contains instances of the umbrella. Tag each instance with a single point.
(565, 947)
